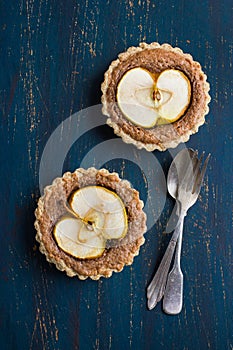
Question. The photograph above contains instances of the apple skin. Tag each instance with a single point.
(148, 99)
(103, 208)
(96, 215)
(76, 239)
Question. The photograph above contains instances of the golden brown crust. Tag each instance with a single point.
(52, 205)
(156, 58)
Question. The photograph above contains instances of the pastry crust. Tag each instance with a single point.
(52, 205)
(156, 58)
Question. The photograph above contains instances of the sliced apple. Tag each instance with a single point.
(103, 209)
(174, 83)
(99, 215)
(135, 97)
(148, 99)
(77, 239)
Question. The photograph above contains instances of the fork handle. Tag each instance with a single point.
(173, 295)
(155, 290)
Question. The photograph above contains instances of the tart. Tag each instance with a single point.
(90, 223)
(155, 96)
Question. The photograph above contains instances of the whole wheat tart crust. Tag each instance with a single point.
(156, 58)
(52, 205)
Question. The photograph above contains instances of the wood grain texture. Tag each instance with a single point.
(53, 57)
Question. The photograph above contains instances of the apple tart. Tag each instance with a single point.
(155, 96)
(90, 223)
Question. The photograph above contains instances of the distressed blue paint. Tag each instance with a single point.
(53, 56)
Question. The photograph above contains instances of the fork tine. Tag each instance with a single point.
(189, 171)
(194, 168)
(196, 171)
(202, 156)
(204, 167)
(200, 178)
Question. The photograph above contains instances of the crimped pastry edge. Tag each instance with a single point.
(60, 264)
(126, 137)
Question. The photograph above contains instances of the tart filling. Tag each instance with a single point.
(97, 215)
(155, 96)
(90, 223)
(148, 99)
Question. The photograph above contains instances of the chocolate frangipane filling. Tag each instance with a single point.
(156, 59)
(53, 205)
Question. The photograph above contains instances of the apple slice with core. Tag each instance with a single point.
(135, 97)
(99, 215)
(148, 99)
(101, 208)
(75, 238)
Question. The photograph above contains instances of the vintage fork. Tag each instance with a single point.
(187, 194)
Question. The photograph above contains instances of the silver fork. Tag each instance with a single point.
(185, 189)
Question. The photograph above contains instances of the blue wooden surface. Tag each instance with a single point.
(53, 57)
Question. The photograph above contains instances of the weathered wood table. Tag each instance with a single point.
(53, 57)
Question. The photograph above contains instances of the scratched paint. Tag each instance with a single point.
(54, 55)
